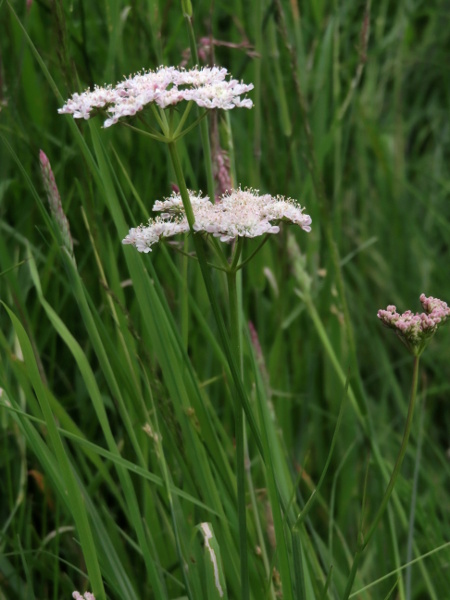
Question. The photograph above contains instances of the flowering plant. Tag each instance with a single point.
(165, 87)
(239, 213)
(85, 596)
(416, 330)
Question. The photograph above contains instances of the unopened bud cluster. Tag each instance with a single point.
(416, 329)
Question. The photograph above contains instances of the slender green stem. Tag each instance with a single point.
(247, 260)
(155, 135)
(183, 189)
(311, 500)
(161, 119)
(319, 187)
(167, 484)
(329, 349)
(235, 335)
(191, 220)
(232, 349)
(215, 245)
(237, 255)
(193, 257)
(182, 121)
(398, 463)
(235, 332)
(184, 307)
(268, 568)
(204, 129)
(224, 337)
(401, 453)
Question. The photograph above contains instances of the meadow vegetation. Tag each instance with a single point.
(123, 470)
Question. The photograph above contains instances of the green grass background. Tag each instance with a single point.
(358, 133)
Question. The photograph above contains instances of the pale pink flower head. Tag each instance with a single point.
(209, 87)
(238, 213)
(85, 596)
(416, 330)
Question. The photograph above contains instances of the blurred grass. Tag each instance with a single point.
(382, 155)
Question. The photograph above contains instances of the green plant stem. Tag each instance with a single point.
(398, 463)
(315, 317)
(184, 304)
(204, 129)
(319, 187)
(183, 188)
(232, 351)
(224, 338)
(235, 335)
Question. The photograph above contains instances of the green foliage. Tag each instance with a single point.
(351, 118)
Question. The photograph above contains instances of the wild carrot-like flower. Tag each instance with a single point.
(85, 596)
(167, 86)
(416, 330)
(240, 213)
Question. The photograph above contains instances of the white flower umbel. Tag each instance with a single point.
(239, 213)
(208, 87)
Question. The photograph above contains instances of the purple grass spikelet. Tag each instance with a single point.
(54, 200)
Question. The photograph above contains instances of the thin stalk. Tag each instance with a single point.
(409, 545)
(179, 133)
(319, 187)
(167, 484)
(182, 121)
(155, 136)
(248, 259)
(398, 463)
(232, 350)
(204, 129)
(183, 190)
(184, 306)
(237, 251)
(235, 335)
(224, 338)
(268, 568)
(191, 256)
(311, 500)
(315, 317)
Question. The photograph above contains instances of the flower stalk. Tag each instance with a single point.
(239, 213)
(235, 337)
(235, 351)
(415, 331)
(204, 128)
(364, 541)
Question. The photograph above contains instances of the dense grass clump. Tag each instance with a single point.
(169, 430)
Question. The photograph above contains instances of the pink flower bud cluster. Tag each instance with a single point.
(207, 87)
(415, 329)
(85, 596)
(238, 213)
